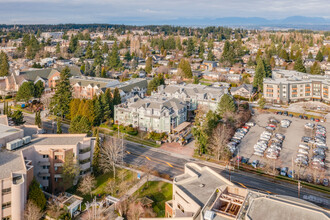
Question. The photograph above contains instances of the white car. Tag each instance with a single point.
(304, 146)
(302, 151)
(251, 124)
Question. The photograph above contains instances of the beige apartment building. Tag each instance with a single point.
(41, 158)
(288, 86)
(48, 152)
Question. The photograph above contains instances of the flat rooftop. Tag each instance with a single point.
(54, 139)
(203, 180)
(284, 208)
(10, 162)
(7, 130)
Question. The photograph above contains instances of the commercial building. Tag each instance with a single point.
(194, 95)
(202, 194)
(287, 86)
(155, 113)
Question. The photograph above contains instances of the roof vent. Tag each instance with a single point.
(201, 185)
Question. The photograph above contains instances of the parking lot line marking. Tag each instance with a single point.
(169, 164)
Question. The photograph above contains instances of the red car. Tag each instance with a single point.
(272, 125)
(246, 127)
(317, 120)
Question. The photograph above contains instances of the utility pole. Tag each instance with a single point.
(292, 168)
(299, 188)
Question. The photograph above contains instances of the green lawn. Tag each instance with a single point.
(158, 192)
(125, 179)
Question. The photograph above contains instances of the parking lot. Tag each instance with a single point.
(293, 135)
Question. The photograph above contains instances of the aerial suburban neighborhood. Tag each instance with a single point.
(204, 118)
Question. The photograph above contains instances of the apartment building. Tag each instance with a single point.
(43, 159)
(87, 87)
(200, 193)
(155, 113)
(194, 95)
(287, 86)
(47, 76)
(48, 152)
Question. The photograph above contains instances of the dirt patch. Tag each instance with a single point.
(177, 148)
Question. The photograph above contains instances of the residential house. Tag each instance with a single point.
(244, 90)
(208, 65)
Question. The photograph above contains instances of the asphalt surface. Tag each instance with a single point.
(173, 165)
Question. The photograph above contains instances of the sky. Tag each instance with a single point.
(152, 11)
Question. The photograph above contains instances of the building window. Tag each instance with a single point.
(6, 218)
(6, 205)
(45, 156)
(6, 191)
(56, 179)
(181, 208)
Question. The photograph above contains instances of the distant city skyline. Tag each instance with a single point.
(152, 11)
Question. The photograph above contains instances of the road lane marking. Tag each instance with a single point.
(148, 158)
(128, 152)
(242, 185)
(168, 164)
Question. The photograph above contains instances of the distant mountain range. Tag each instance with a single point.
(300, 22)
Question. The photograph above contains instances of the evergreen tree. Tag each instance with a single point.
(299, 66)
(113, 58)
(59, 126)
(96, 154)
(60, 101)
(37, 120)
(185, 68)
(284, 55)
(17, 117)
(74, 107)
(107, 104)
(178, 44)
(201, 50)
(250, 62)
(228, 55)
(210, 55)
(4, 65)
(127, 56)
(36, 195)
(148, 65)
(190, 47)
(25, 92)
(80, 125)
(116, 97)
(98, 111)
(105, 48)
(58, 48)
(73, 44)
(316, 68)
(39, 89)
(89, 51)
(226, 104)
(259, 75)
(310, 55)
(319, 56)
(103, 73)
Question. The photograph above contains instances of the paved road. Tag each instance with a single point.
(171, 164)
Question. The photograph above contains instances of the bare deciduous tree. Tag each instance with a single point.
(87, 185)
(135, 211)
(111, 154)
(218, 144)
(54, 210)
(32, 211)
(110, 187)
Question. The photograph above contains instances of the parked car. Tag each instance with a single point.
(304, 146)
(325, 182)
(300, 116)
(291, 174)
(284, 171)
(255, 163)
(291, 115)
(270, 128)
(302, 151)
(251, 124)
(317, 120)
(285, 113)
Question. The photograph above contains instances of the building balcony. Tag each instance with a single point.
(85, 156)
(84, 150)
(85, 166)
